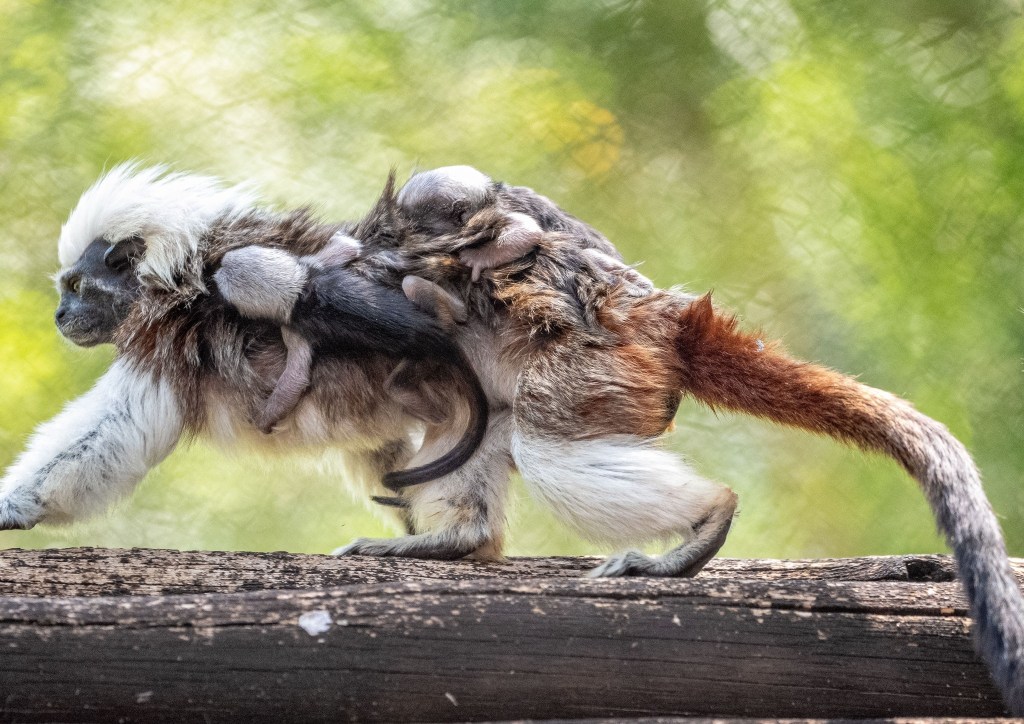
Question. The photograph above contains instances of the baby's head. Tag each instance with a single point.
(443, 199)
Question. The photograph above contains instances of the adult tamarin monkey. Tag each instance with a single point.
(602, 360)
(592, 364)
(139, 253)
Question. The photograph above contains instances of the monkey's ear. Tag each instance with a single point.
(125, 253)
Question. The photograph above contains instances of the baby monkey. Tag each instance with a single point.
(324, 307)
(499, 224)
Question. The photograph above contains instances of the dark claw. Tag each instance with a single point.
(390, 501)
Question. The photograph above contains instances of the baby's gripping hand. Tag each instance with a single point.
(499, 239)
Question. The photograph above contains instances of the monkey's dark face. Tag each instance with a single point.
(97, 293)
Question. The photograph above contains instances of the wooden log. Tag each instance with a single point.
(94, 635)
(113, 572)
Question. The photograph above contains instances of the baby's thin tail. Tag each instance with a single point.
(467, 444)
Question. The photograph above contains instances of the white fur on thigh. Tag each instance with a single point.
(616, 490)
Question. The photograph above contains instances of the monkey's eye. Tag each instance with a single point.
(74, 284)
(461, 211)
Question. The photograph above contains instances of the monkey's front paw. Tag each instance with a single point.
(13, 518)
(630, 563)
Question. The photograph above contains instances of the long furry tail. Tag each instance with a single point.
(724, 367)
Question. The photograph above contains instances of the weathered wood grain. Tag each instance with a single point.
(467, 641)
(105, 572)
(708, 720)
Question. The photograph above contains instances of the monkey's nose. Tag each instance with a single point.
(59, 316)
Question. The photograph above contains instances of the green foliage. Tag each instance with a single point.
(845, 175)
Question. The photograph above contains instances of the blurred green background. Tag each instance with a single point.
(847, 175)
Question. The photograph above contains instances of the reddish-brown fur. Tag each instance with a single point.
(598, 360)
(725, 367)
(630, 379)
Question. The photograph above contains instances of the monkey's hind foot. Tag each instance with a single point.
(440, 546)
(686, 561)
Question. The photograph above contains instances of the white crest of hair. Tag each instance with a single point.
(615, 490)
(171, 211)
